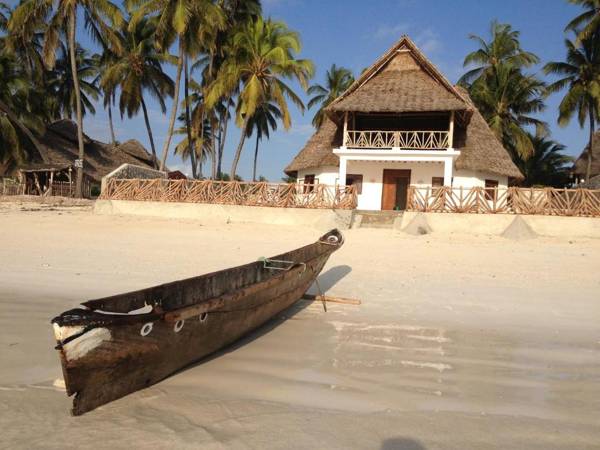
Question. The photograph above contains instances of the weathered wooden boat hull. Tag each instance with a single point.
(109, 350)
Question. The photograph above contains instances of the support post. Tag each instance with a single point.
(345, 137)
(342, 175)
(448, 163)
(451, 131)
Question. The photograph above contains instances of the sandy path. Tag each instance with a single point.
(461, 342)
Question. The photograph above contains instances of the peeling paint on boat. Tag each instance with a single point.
(62, 333)
(85, 343)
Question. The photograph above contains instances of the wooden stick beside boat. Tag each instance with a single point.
(331, 299)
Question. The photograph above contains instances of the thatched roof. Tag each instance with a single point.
(318, 151)
(60, 147)
(479, 147)
(402, 80)
(580, 165)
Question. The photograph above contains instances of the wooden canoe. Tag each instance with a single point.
(116, 345)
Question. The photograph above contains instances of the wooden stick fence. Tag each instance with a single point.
(232, 193)
(479, 200)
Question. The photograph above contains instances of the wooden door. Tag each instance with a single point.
(395, 189)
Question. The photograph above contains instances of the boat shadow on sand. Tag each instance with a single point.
(326, 281)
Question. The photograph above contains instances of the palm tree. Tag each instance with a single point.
(504, 95)
(503, 48)
(547, 166)
(62, 88)
(337, 80)
(200, 144)
(262, 122)
(137, 70)
(581, 78)
(507, 101)
(589, 19)
(263, 57)
(23, 112)
(177, 20)
(237, 14)
(55, 13)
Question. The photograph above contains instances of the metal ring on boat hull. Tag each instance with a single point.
(178, 325)
(202, 317)
(146, 329)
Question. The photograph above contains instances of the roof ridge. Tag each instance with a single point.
(423, 61)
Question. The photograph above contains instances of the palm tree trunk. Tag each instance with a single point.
(79, 177)
(238, 152)
(588, 169)
(112, 128)
(165, 150)
(150, 137)
(222, 141)
(213, 172)
(14, 119)
(188, 125)
(255, 156)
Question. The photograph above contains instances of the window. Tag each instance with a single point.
(437, 182)
(355, 180)
(309, 181)
(491, 189)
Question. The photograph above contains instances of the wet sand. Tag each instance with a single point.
(461, 341)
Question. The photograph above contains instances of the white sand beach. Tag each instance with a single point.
(461, 342)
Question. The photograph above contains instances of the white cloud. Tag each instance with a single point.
(394, 31)
(426, 39)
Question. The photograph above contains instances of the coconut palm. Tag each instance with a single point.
(507, 101)
(547, 166)
(581, 78)
(237, 14)
(60, 83)
(178, 20)
(200, 143)
(56, 14)
(261, 123)
(503, 48)
(22, 113)
(588, 22)
(138, 71)
(263, 56)
(337, 80)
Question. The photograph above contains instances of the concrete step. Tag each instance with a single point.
(375, 219)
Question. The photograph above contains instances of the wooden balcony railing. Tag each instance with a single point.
(406, 140)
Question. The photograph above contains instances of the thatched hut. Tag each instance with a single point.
(53, 171)
(402, 123)
(580, 166)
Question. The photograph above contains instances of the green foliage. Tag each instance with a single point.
(547, 166)
(337, 80)
(506, 96)
(262, 56)
(581, 79)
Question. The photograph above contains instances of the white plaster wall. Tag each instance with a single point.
(324, 175)
(470, 178)
(370, 199)
(210, 214)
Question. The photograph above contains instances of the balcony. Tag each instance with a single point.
(406, 140)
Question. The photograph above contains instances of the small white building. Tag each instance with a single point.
(402, 123)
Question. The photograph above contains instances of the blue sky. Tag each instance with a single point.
(354, 34)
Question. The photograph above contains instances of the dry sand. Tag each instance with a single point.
(462, 342)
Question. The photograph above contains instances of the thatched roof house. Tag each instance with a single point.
(580, 165)
(403, 119)
(60, 150)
